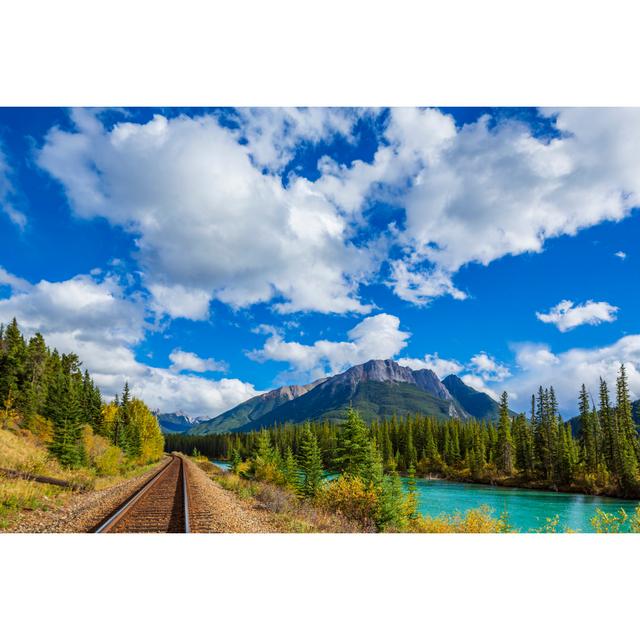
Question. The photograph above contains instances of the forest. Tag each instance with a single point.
(48, 394)
(537, 450)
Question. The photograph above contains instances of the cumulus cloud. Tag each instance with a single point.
(210, 223)
(215, 219)
(488, 368)
(376, 337)
(499, 190)
(272, 134)
(440, 366)
(620, 254)
(98, 321)
(567, 315)
(14, 282)
(490, 188)
(187, 361)
(566, 371)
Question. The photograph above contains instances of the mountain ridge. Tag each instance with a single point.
(377, 388)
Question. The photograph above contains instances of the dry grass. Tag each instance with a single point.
(22, 450)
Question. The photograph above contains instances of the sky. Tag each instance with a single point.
(207, 255)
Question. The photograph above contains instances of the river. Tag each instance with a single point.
(527, 509)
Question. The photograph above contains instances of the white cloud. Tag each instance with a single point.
(96, 320)
(376, 337)
(499, 191)
(208, 222)
(488, 368)
(620, 254)
(214, 220)
(272, 134)
(568, 370)
(187, 361)
(566, 315)
(440, 366)
(7, 193)
(16, 283)
(421, 287)
(490, 189)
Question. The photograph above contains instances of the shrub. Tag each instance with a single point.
(604, 522)
(350, 497)
(109, 462)
(275, 499)
(473, 521)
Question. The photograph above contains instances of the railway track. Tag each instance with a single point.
(160, 506)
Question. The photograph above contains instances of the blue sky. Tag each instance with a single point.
(209, 254)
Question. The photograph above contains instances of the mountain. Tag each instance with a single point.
(252, 409)
(178, 422)
(378, 389)
(475, 403)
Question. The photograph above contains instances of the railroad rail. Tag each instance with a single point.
(161, 505)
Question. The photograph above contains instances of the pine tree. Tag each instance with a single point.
(310, 463)
(587, 432)
(65, 412)
(505, 441)
(353, 446)
(290, 469)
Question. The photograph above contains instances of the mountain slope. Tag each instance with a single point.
(374, 400)
(252, 409)
(378, 389)
(475, 403)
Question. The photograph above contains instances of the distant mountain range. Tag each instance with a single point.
(377, 389)
(178, 422)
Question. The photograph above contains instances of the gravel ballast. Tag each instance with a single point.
(217, 510)
(81, 511)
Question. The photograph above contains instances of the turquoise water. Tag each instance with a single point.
(527, 509)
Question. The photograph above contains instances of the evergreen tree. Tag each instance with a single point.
(505, 441)
(353, 445)
(65, 411)
(311, 463)
(290, 469)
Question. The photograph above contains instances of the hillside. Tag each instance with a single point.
(374, 400)
(476, 403)
(378, 388)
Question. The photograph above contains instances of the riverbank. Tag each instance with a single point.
(529, 484)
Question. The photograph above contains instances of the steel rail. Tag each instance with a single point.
(113, 520)
(185, 493)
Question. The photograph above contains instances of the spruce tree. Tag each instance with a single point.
(353, 446)
(310, 463)
(505, 440)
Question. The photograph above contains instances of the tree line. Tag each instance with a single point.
(535, 449)
(49, 394)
